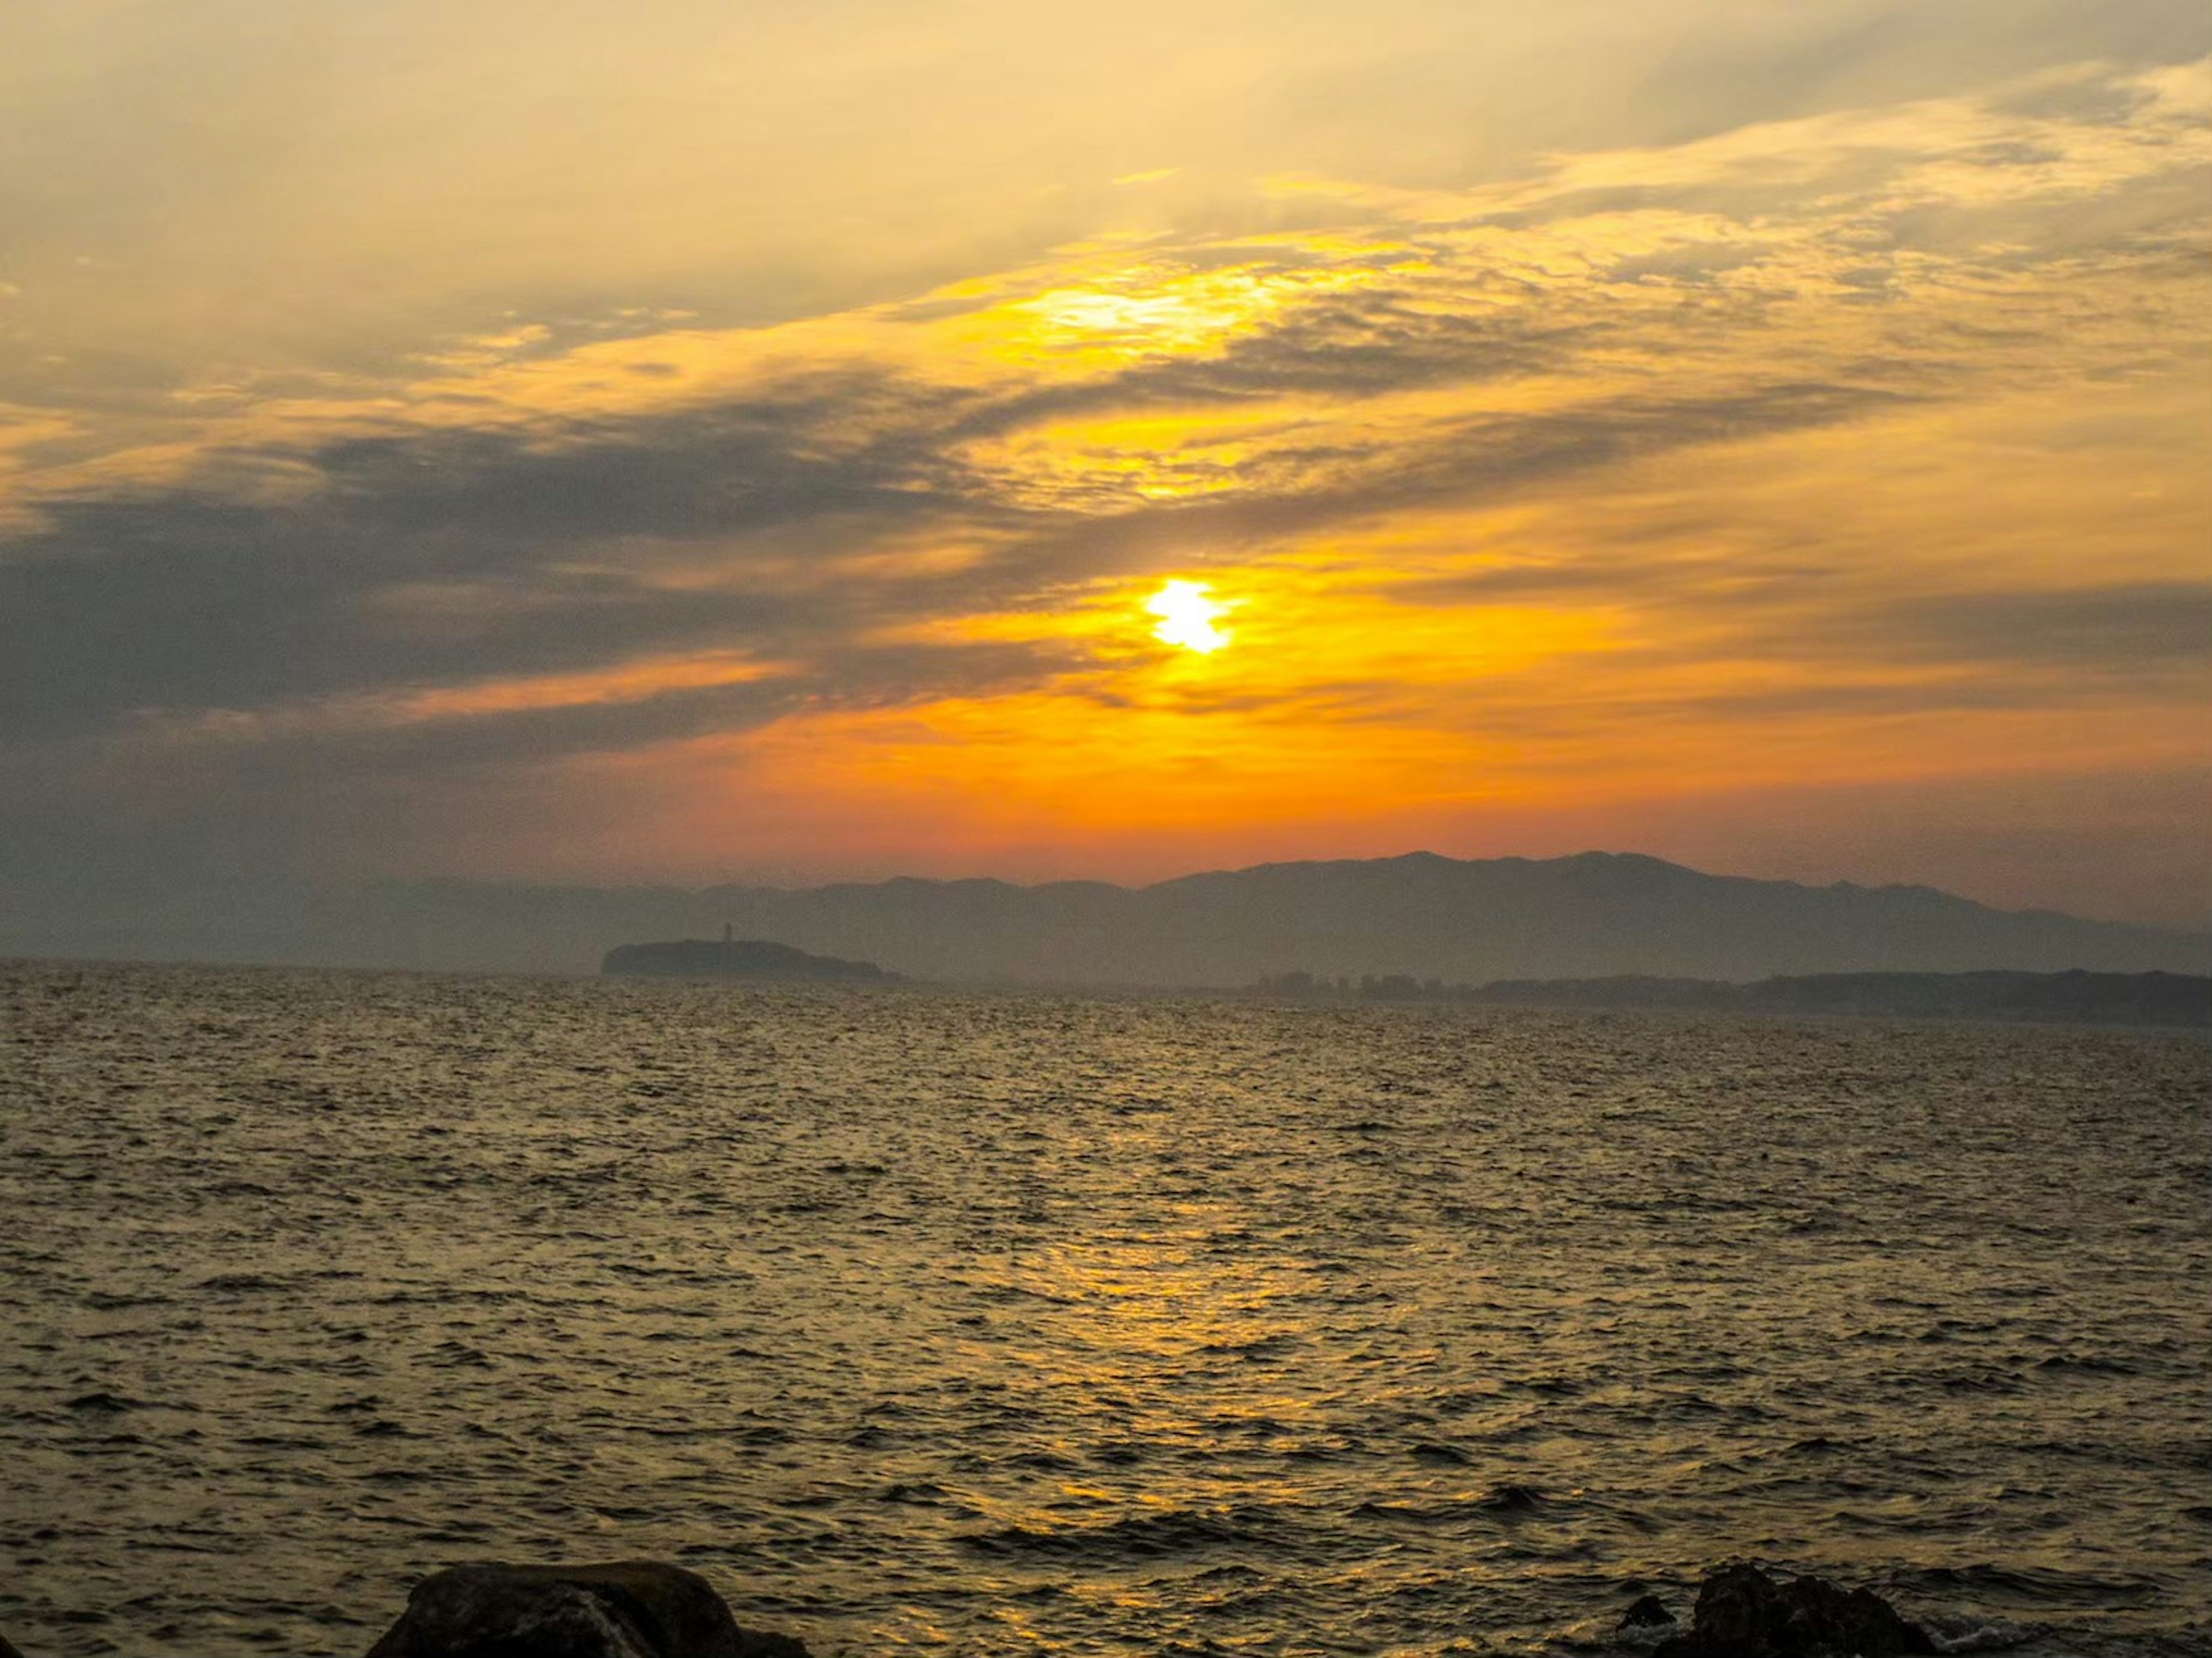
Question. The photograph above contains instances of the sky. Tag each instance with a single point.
(682, 442)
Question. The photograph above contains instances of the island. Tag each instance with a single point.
(739, 958)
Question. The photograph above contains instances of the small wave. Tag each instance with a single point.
(2090, 1361)
(1042, 1461)
(1818, 1445)
(2029, 1586)
(458, 1356)
(1506, 1503)
(1022, 1293)
(1980, 1381)
(1142, 1537)
(1513, 1499)
(1950, 1635)
(106, 1404)
(1551, 1387)
(1427, 1451)
(921, 1493)
(102, 1301)
(238, 1284)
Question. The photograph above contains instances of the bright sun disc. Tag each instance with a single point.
(1186, 617)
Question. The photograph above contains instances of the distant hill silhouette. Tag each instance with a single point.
(2072, 997)
(1593, 915)
(739, 958)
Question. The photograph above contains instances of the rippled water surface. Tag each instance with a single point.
(1015, 1324)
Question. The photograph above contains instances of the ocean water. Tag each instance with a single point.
(1026, 1324)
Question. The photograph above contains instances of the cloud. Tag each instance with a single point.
(1774, 424)
(460, 556)
(443, 556)
(2125, 630)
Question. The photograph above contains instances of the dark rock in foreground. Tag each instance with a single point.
(1742, 1612)
(631, 1609)
(739, 958)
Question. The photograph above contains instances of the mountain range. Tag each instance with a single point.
(1590, 915)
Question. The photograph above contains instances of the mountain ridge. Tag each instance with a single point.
(1585, 914)
(1590, 915)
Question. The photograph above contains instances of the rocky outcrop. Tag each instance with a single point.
(1742, 1613)
(631, 1609)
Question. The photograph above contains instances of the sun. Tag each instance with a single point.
(1187, 616)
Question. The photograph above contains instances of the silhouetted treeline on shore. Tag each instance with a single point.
(2075, 997)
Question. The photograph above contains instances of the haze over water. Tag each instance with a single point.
(1020, 1324)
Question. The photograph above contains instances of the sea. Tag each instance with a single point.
(1024, 1323)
